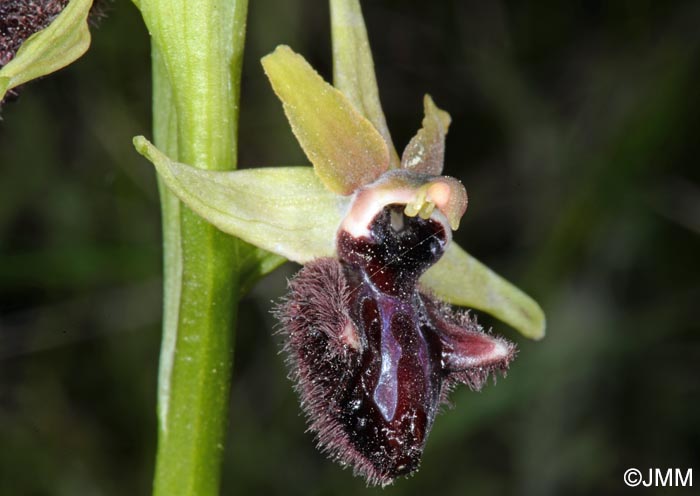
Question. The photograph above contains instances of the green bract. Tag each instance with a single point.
(52, 48)
(295, 212)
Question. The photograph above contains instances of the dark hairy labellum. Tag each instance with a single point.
(372, 356)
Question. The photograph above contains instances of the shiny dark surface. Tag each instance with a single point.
(393, 259)
(391, 403)
(371, 357)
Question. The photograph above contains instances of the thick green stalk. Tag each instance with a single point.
(197, 53)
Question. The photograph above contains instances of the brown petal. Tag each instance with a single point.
(425, 152)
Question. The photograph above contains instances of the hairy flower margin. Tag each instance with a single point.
(357, 190)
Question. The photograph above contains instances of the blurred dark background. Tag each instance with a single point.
(575, 129)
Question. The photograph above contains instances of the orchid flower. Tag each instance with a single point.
(374, 345)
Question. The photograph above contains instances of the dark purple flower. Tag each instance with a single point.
(372, 352)
(373, 357)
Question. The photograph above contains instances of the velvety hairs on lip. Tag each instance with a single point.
(372, 356)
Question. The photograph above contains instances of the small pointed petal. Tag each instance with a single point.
(353, 67)
(425, 152)
(344, 147)
(52, 48)
(460, 279)
(285, 210)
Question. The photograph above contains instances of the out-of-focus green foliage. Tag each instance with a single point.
(574, 130)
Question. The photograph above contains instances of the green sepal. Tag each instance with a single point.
(52, 48)
(284, 210)
(344, 147)
(460, 279)
(353, 67)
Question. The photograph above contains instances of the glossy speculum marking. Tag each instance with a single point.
(371, 355)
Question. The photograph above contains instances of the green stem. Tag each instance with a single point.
(197, 53)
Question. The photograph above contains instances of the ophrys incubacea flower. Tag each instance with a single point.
(373, 345)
